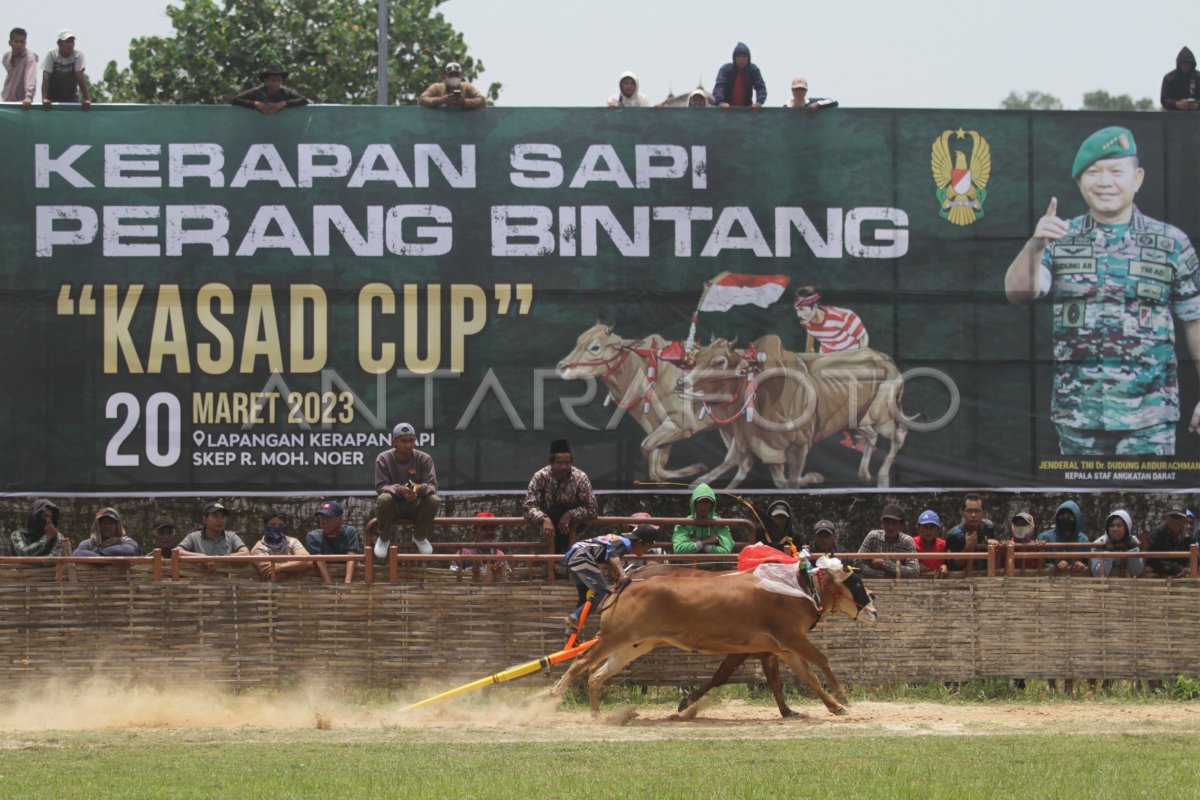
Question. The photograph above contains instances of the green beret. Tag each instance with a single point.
(1114, 142)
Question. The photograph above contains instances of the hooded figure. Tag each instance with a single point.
(698, 99)
(1068, 524)
(1118, 543)
(1181, 84)
(702, 538)
(631, 99)
(36, 539)
(736, 81)
(108, 537)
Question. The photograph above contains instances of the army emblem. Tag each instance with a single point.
(961, 172)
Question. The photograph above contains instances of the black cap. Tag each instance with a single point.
(1176, 511)
(272, 69)
(644, 533)
(560, 446)
(214, 506)
(163, 522)
(892, 511)
(823, 525)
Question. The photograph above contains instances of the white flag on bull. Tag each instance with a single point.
(729, 289)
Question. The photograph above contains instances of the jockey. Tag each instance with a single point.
(584, 559)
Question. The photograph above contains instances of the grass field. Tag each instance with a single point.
(508, 745)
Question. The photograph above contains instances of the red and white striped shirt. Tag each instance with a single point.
(840, 330)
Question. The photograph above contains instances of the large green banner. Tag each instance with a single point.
(200, 300)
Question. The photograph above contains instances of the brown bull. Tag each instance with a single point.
(623, 366)
(726, 613)
(777, 404)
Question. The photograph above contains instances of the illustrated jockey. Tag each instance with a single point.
(830, 328)
(585, 558)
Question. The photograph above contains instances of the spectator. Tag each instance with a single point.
(452, 91)
(276, 542)
(1181, 86)
(628, 95)
(1170, 536)
(333, 537)
(41, 536)
(1023, 528)
(972, 535)
(406, 484)
(165, 536)
(1067, 528)
(212, 539)
(1192, 533)
(739, 83)
(108, 537)
(832, 329)
(1117, 538)
(801, 100)
(776, 528)
(928, 541)
(560, 498)
(702, 538)
(272, 96)
(891, 539)
(494, 571)
(698, 99)
(62, 74)
(584, 559)
(21, 69)
(824, 538)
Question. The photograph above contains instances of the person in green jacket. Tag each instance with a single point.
(702, 538)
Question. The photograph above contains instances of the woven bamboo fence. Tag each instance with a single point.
(231, 629)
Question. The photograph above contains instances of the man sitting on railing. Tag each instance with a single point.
(40, 536)
(406, 483)
(1171, 535)
(1068, 522)
(560, 499)
(108, 537)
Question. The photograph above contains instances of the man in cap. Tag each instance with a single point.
(1118, 280)
(775, 529)
(890, 539)
(1023, 532)
(493, 571)
(406, 485)
(165, 536)
(560, 499)
(108, 537)
(452, 91)
(1170, 536)
(801, 100)
(272, 96)
(62, 74)
(20, 70)
(333, 537)
(1181, 86)
(824, 538)
(213, 539)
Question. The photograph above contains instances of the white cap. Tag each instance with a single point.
(64, 34)
(799, 83)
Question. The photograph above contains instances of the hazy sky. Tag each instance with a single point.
(871, 53)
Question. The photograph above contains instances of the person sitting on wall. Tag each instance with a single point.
(108, 537)
(560, 499)
(276, 542)
(272, 96)
(406, 488)
(40, 536)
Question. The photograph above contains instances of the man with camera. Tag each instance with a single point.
(452, 91)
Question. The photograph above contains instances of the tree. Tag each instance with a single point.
(1031, 101)
(328, 47)
(1101, 100)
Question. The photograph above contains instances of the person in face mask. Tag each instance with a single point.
(276, 542)
(1068, 524)
(1024, 534)
(1117, 538)
(453, 91)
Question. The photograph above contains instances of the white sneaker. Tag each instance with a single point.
(423, 546)
(381, 547)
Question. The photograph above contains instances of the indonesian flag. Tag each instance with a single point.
(730, 289)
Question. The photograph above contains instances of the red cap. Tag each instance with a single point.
(484, 514)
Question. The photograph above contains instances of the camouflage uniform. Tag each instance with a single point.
(1116, 388)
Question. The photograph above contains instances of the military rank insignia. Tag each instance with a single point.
(961, 162)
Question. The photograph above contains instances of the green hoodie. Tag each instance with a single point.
(686, 536)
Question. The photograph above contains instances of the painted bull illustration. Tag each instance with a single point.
(641, 376)
(777, 404)
(734, 614)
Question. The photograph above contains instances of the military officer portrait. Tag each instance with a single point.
(1118, 281)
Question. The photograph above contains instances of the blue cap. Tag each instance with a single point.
(331, 508)
(929, 517)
